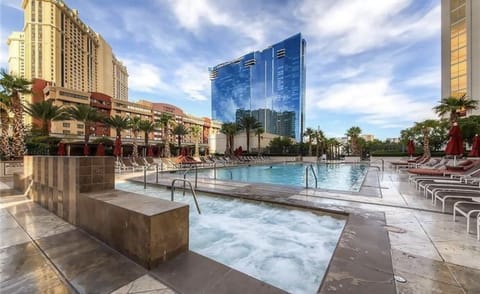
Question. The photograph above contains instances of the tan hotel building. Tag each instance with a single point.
(71, 64)
(461, 49)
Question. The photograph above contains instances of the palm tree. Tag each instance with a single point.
(147, 127)
(353, 133)
(258, 132)
(454, 105)
(195, 130)
(134, 125)
(165, 120)
(425, 128)
(4, 120)
(87, 115)
(118, 123)
(46, 112)
(180, 130)
(230, 130)
(248, 123)
(319, 138)
(12, 87)
(309, 133)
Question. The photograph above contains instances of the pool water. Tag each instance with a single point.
(345, 177)
(287, 248)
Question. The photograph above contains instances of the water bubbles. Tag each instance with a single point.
(287, 248)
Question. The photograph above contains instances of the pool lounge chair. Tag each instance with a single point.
(478, 227)
(449, 171)
(443, 196)
(409, 162)
(467, 177)
(128, 164)
(465, 208)
(470, 178)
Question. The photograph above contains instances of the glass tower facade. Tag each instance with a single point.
(268, 85)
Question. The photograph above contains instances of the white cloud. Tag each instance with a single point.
(17, 4)
(355, 26)
(145, 77)
(430, 78)
(193, 80)
(374, 100)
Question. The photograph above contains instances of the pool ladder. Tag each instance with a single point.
(314, 175)
(172, 187)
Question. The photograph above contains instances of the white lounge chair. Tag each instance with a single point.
(478, 227)
(457, 208)
(444, 196)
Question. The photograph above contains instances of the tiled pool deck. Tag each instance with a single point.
(39, 252)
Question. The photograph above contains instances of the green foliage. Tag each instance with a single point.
(45, 140)
(180, 130)
(42, 145)
(469, 127)
(118, 123)
(46, 112)
(281, 145)
(454, 105)
(104, 140)
(248, 123)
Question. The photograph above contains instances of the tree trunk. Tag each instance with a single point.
(18, 148)
(45, 128)
(167, 143)
(426, 142)
(258, 144)
(247, 131)
(135, 149)
(4, 144)
(232, 138)
(309, 147)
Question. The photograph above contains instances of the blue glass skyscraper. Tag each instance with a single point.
(268, 84)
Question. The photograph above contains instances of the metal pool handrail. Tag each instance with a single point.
(196, 175)
(215, 173)
(172, 187)
(314, 175)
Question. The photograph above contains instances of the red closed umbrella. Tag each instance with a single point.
(61, 149)
(100, 150)
(455, 144)
(117, 149)
(410, 147)
(475, 152)
(86, 150)
(150, 151)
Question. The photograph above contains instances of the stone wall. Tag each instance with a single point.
(58, 180)
(148, 230)
(81, 191)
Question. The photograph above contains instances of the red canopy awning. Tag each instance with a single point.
(455, 144)
(150, 151)
(475, 152)
(410, 147)
(100, 150)
(86, 150)
(61, 149)
(117, 149)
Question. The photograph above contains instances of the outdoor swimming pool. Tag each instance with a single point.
(345, 177)
(287, 248)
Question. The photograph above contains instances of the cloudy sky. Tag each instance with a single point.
(373, 64)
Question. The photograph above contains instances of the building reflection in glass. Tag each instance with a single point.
(268, 84)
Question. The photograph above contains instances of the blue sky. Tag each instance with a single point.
(373, 64)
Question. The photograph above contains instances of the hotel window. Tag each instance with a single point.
(66, 125)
